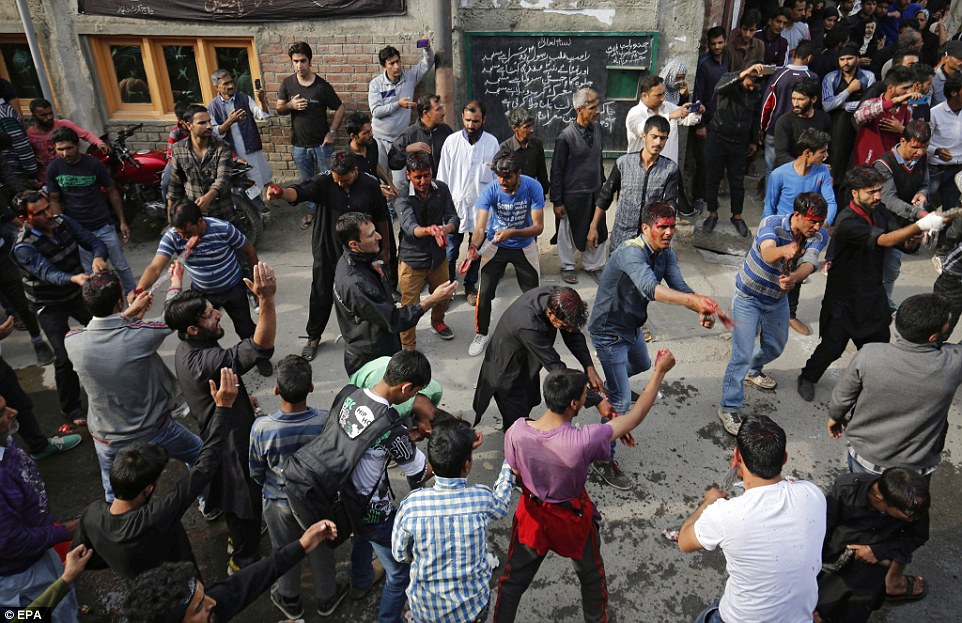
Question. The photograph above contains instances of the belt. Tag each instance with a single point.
(878, 469)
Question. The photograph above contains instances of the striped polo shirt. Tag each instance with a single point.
(212, 265)
(759, 278)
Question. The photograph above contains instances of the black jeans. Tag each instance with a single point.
(54, 319)
(321, 299)
(523, 563)
(12, 287)
(722, 156)
(491, 273)
(235, 304)
(834, 339)
(950, 288)
(18, 399)
(696, 154)
(793, 297)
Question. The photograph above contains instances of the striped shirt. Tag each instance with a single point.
(759, 278)
(953, 262)
(212, 265)
(442, 532)
(276, 437)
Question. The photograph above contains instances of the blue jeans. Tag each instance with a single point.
(710, 614)
(20, 589)
(397, 574)
(752, 317)
(311, 161)
(891, 269)
(181, 444)
(115, 250)
(769, 156)
(620, 361)
(453, 251)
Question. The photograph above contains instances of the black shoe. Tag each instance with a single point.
(289, 606)
(690, 212)
(341, 590)
(806, 389)
(471, 294)
(740, 227)
(709, 224)
(265, 367)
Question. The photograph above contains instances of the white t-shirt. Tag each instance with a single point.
(772, 539)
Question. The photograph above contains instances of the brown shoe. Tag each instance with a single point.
(799, 327)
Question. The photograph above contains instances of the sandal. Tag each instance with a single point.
(310, 349)
(307, 221)
(911, 582)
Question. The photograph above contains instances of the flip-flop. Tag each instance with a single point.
(309, 352)
(307, 221)
(910, 583)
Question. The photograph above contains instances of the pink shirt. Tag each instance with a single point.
(43, 146)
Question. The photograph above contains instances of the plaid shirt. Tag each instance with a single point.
(442, 531)
(190, 178)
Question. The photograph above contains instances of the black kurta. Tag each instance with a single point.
(521, 345)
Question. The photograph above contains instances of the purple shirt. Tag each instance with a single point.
(553, 464)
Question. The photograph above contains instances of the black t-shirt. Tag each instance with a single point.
(309, 126)
(368, 162)
(79, 187)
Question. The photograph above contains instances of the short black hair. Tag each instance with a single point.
(923, 72)
(562, 387)
(567, 306)
(185, 213)
(190, 111)
(751, 18)
(426, 103)
(655, 211)
(355, 121)
(156, 595)
(899, 75)
(135, 468)
(952, 85)
(656, 122)
(450, 447)
(63, 134)
(921, 316)
(761, 443)
(294, 375)
(348, 226)
(804, 49)
(23, 199)
(386, 53)
(184, 311)
(505, 162)
(179, 109)
(343, 161)
(812, 139)
(300, 47)
(836, 38)
(418, 160)
(39, 103)
(811, 204)
(917, 130)
(781, 12)
(474, 106)
(408, 366)
(101, 293)
(906, 490)
(520, 116)
(901, 53)
(809, 87)
(863, 176)
(714, 32)
(649, 82)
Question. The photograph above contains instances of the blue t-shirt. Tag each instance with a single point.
(80, 186)
(511, 211)
(784, 184)
(212, 265)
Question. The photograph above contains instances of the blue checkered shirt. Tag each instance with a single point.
(442, 532)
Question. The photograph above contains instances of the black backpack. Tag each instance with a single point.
(317, 478)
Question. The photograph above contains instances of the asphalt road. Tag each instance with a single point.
(681, 449)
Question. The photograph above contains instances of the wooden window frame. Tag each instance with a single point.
(162, 104)
(5, 73)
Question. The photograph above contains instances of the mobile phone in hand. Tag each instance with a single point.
(423, 43)
(257, 84)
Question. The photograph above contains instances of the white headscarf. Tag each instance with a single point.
(669, 73)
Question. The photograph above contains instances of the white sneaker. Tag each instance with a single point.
(730, 420)
(478, 344)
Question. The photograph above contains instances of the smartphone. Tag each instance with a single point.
(768, 70)
(257, 84)
(423, 43)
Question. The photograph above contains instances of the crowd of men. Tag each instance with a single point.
(861, 144)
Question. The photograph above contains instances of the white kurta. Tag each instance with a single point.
(466, 169)
(635, 123)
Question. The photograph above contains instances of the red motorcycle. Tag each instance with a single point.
(137, 176)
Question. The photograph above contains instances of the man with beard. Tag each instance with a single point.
(200, 168)
(198, 360)
(855, 306)
(886, 421)
(465, 168)
(631, 280)
(882, 119)
(173, 592)
(44, 123)
(427, 134)
(577, 173)
(803, 116)
(841, 90)
(639, 178)
(233, 115)
(357, 125)
(138, 530)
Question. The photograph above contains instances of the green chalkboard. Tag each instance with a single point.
(542, 70)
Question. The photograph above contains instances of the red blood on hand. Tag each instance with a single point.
(274, 188)
(661, 353)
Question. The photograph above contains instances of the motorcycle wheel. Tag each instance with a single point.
(247, 218)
